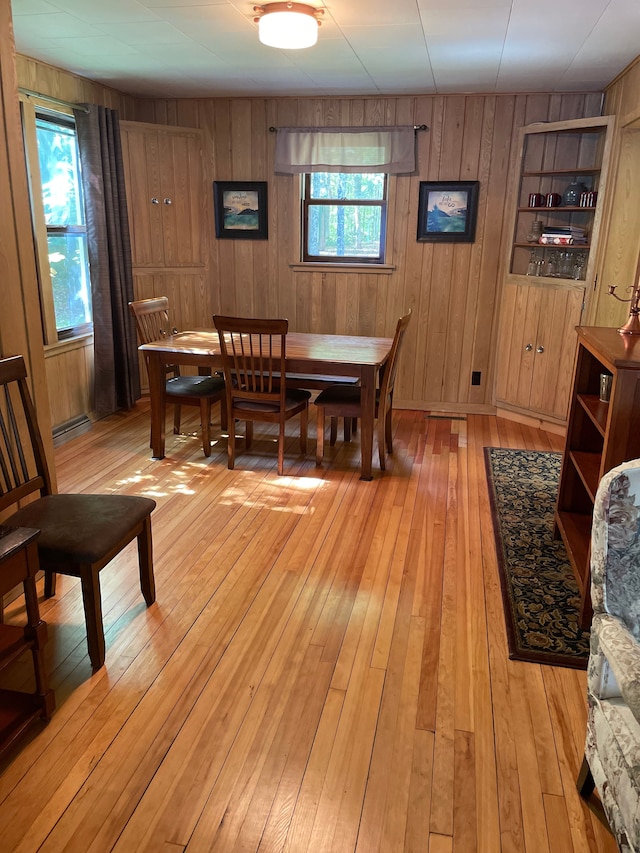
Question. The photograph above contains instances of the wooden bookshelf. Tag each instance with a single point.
(599, 436)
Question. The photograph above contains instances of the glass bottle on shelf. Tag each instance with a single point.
(579, 266)
(565, 264)
(551, 267)
(536, 264)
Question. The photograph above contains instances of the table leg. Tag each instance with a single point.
(368, 398)
(157, 377)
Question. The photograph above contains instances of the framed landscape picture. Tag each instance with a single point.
(240, 209)
(447, 211)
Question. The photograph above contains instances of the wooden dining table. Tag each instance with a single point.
(307, 353)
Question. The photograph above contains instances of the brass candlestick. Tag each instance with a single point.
(632, 326)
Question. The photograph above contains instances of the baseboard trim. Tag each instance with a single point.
(445, 408)
(532, 421)
(70, 429)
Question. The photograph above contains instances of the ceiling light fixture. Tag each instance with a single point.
(288, 25)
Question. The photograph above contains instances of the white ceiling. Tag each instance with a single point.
(200, 48)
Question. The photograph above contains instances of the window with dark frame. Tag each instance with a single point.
(344, 217)
(64, 214)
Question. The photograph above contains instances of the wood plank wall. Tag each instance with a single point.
(620, 263)
(622, 96)
(453, 289)
(20, 326)
(68, 368)
(48, 80)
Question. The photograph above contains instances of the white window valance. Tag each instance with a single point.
(346, 149)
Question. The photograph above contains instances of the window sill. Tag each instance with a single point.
(68, 344)
(375, 269)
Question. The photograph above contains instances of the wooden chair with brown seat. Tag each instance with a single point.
(152, 323)
(340, 401)
(79, 534)
(253, 357)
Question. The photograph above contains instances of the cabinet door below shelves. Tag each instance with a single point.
(537, 347)
(518, 328)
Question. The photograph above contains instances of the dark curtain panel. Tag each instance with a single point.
(117, 380)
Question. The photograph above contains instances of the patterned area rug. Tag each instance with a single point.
(539, 592)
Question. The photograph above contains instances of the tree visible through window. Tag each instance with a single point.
(65, 222)
(344, 217)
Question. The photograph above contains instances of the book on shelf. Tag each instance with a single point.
(561, 240)
(565, 230)
(563, 235)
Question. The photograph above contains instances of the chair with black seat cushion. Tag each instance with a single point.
(152, 323)
(253, 357)
(80, 534)
(319, 383)
(344, 401)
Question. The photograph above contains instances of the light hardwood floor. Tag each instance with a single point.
(325, 668)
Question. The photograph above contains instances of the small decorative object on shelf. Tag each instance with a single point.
(553, 200)
(536, 231)
(571, 195)
(588, 198)
(632, 326)
(537, 200)
(605, 387)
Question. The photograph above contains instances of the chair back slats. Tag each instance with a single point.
(23, 467)
(152, 319)
(254, 354)
(12, 458)
(254, 360)
(153, 324)
(391, 369)
(34, 486)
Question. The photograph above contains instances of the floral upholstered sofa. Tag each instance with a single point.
(612, 751)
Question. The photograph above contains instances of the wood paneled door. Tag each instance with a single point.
(537, 348)
(165, 192)
(169, 214)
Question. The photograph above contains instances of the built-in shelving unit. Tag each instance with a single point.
(552, 155)
(547, 287)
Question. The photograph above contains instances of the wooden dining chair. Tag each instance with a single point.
(340, 401)
(79, 534)
(253, 357)
(152, 323)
